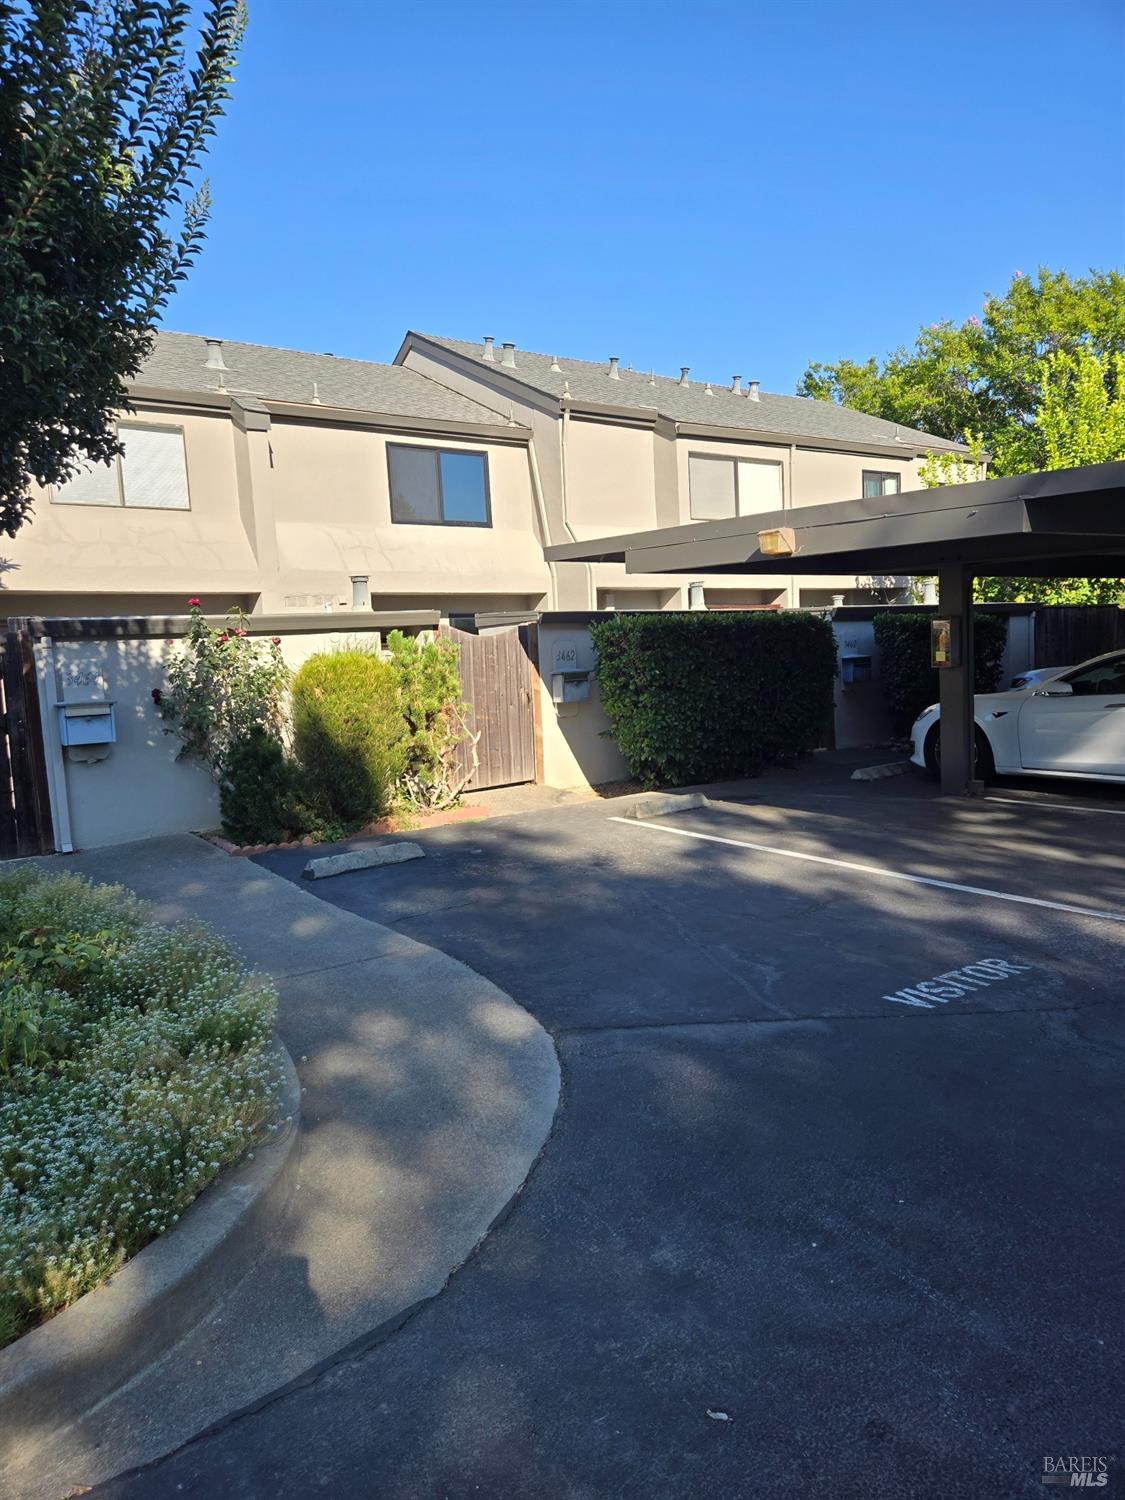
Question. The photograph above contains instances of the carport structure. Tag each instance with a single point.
(1066, 523)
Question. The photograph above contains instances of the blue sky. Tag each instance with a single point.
(736, 187)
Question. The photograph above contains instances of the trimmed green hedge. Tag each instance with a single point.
(909, 682)
(697, 697)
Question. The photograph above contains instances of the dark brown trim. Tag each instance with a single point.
(529, 636)
(153, 627)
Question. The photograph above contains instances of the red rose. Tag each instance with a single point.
(157, 695)
(224, 638)
(240, 632)
(193, 603)
(275, 640)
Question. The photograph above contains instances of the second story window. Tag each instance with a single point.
(724, 487)
(151, 474)
(880, 482)
(438, 486)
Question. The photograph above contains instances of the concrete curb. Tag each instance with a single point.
(361, 859)
(663, 804)
(877, 773)
(57, 1373)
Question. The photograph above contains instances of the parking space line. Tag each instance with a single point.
(1113, 812)
(877, 870)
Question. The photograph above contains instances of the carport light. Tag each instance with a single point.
(779, 542)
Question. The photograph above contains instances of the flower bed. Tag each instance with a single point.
(136, 1061)
(409, 822)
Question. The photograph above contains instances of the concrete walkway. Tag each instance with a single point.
(427, 1096)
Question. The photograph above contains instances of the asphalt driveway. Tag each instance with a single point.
(832, 1205)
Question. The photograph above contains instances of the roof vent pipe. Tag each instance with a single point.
(736, 384)
(708, 391)
(556, 368)
(214, 360)
(752, 389)
(613, 371)
(684, 374)
(508, 357)
(489, 354)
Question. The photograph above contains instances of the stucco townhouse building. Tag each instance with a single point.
(285, 481)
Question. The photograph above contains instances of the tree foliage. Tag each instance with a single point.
(985, 375)
(1036, 382)
(106, 107)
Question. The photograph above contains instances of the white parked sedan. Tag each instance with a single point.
(1070, 724)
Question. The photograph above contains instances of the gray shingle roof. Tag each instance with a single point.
(796, 416)
(178, 363)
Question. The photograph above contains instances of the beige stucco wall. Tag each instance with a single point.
(821, 477)
(333, 517)
(118, 550)
(574, 752)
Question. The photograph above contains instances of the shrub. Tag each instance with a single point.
(429, 694)
(909, 682)
(695, 697)
(122, 1095)
(258, 793)
(219, 686)
(348, 733)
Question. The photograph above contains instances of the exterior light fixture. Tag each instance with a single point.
(778, 542)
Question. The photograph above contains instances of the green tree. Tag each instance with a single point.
(106, 107)
(985, 375)
(1037, 382)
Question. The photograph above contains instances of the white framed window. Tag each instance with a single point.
(151, 474)
(719, 487)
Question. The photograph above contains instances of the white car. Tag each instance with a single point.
(1070, 724)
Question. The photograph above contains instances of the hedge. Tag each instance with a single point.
(696, 697)
(909, 682)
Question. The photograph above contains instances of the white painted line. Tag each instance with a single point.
(1113, 812)
(847, 864)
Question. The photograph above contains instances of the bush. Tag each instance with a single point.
(429, 695)
(348, 733)
(909, 682)
(258, 794)
(220, 685)
(135, 1063)
(696, 697)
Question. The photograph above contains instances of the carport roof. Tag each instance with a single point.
(1069, 522)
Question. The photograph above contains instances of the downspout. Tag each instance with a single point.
(591, 593)
(46, 678)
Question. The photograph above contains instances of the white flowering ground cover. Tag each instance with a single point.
(136, 1061)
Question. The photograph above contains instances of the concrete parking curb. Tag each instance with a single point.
(57, 1373)
(369, 858)
(663, 804)
(876, 773)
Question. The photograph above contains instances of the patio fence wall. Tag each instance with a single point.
(136, 788)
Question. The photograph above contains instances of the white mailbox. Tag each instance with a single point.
(87, 723)
(572, 667)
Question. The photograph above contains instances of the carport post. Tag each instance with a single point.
(955, 602)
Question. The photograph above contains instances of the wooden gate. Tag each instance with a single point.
(1066, 634)
(497, 682)
(25, 808)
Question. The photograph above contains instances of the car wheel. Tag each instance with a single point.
(984, 767)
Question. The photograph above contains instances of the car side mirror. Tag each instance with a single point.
(1054, 690)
